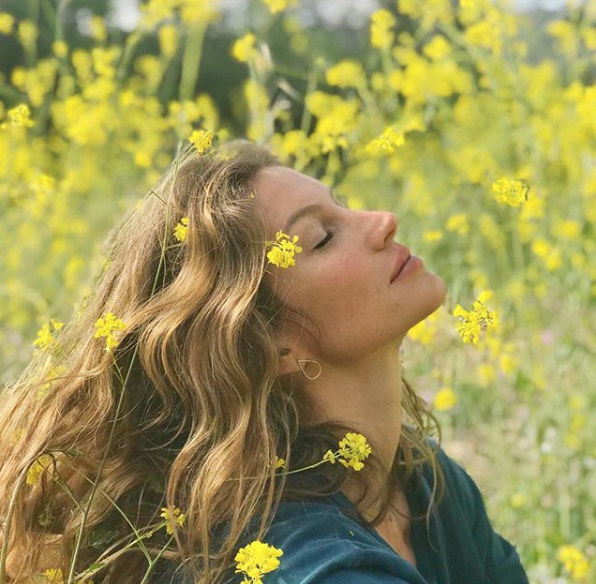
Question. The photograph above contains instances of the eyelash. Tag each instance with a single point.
(324, 242)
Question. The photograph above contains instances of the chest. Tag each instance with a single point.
(400, 545)
(395, 530)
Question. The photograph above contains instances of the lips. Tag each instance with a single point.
(400, 262)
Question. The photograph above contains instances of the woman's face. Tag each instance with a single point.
(342, 277)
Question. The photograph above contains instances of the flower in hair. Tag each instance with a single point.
(37, 469)
(256, 559)
(44, 335)
(54, 576)
(202, 140)
(181, 229)
(173, 518)
(106, 327)
(283, 250)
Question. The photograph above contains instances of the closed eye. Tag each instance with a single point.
(324, 242)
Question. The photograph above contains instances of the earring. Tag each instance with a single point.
(301, 361)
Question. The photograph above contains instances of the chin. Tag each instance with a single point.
(431, 298)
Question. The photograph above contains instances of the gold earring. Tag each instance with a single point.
(301, 361)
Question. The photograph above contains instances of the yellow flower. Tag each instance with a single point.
(244, 48)
(517, 500)
(106, 327)
(445, 399)
(168, 40)
(330, 456)
(173, 518)
(283, 250)
(354, 449)
(280, 463)
(574, 560)
(60, 49)
(511, 192)
(38, 468)
(20, 116)
(6, 23)
(44, 335)
(202, 140)
(386, 142)
(381, 23)
(181, 230)
(28, 34)
(54, 576)
(347, 73)
(98, 29)
(479, 318)
(432, 235)
(16, 436)
(54, 372)
(256, 559)
(458, 223)
(277, 5)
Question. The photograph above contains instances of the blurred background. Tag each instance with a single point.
(473, 121)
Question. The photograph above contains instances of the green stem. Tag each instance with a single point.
(289, 472)
(191, 61)
(8, 520)
(129, 46)
(132, 526)
(152, 564)
(310, 87)
(31, 51)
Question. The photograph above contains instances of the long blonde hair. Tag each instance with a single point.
(202, 414)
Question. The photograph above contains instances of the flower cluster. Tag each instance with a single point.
(511, 192)
(381, 35)
(353, 448)
(20, 116)
(44, 335)
(255, 560)
(574, 560)
(107, 327)
(181, 230)
(278, 5)
(54, 576)
(174, 518)
(201, 140)
(475, 320)
(37, 469)
(386, 142)
(445, 399)
(244, 49)
(283, 250)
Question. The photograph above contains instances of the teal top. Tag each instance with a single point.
(325, 542)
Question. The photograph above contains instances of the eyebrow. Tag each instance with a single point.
(308, 210)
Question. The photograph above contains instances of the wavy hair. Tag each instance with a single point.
(187, 411)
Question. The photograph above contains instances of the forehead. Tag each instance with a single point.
(280, 191)
(282, 187)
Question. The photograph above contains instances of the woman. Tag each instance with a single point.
(244, 316)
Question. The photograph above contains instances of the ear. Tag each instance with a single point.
(287, 360)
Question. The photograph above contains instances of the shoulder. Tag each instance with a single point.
(461, 488)
(321, 545)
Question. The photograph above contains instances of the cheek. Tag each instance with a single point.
(340, 283)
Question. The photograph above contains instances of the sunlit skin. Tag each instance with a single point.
(344, 288)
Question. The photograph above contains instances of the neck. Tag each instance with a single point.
(368, 396)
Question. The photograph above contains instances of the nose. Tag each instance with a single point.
(386, 226)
